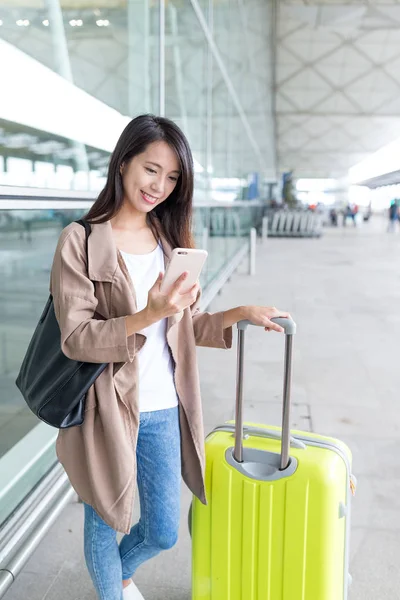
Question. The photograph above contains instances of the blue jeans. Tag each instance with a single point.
(158, 476)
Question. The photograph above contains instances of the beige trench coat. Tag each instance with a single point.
(100, 455)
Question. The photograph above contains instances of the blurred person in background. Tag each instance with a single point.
(393, 216)
(351, 211)
(367, 213)
(333, 217)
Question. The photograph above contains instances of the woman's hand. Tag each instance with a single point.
(162, 305)
(262, 315)
(258, 315)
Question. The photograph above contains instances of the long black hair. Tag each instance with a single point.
(173, 217)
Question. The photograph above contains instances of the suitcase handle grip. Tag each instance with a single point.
(288, 325)
(290, 330)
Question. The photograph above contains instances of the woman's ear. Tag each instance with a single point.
(122, 167)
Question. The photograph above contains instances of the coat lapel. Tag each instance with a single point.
(102, 253)
(104, 260)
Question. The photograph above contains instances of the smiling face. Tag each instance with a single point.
(149, 178)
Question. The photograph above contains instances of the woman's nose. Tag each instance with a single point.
(158, 185)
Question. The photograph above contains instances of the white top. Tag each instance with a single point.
(156, 371)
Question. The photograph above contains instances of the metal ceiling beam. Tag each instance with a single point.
(274, 48)
(138, 50)
(281, 38)
(306, 64)
(63, 67)
(209, 102)
(342, 89)
(178, 68)
(161, 58)
(332, 87)
(343, 158)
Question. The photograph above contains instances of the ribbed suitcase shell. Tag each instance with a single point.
(273, 540)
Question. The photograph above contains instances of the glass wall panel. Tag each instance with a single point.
(242, 33)
(110, 51)
(186, 53)
(27, 243)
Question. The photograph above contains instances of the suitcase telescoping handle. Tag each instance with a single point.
(290, 329)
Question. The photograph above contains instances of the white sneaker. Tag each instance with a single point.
(131, 592)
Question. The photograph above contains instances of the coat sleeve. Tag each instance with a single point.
(85, 335)
(209, 328)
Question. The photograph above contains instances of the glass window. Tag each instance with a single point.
(27, 243)
(109, 57)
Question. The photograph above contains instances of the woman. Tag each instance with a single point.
(143, 419)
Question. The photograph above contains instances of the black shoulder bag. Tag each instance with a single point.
(54, 386)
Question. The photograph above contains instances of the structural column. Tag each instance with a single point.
(62, 66)
(139, 57)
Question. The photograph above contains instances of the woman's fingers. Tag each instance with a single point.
(179, 282)
(270, 325)
(180, 299)
(191, 296)
(195, 289)
(284, 315)
(157, 284)
(280, 314)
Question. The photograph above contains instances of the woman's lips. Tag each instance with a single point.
(147, 198)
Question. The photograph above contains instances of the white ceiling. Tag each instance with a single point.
(337, 83)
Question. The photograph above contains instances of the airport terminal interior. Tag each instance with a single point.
(292, 112)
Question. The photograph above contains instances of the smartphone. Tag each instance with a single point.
(190, 260)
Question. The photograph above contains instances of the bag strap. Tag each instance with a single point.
(88, 231)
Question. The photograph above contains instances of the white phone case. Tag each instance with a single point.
(184, 259)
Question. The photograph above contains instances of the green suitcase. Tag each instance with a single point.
(276, 526)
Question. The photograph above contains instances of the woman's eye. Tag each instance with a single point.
(174, 179)
(150, 170)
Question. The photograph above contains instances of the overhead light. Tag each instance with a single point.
(315, 185)
(23, 23)
(1, 22)
(102, 22)
(46, 23)
(76, 23)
